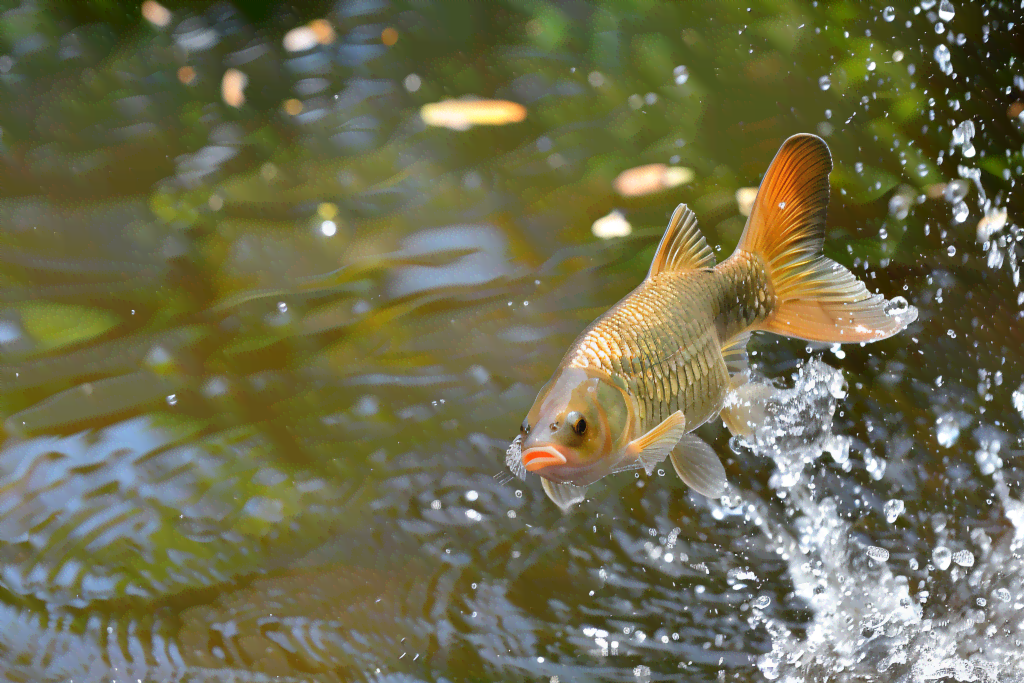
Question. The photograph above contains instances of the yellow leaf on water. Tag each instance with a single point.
(52, 325)
(463, 114)
(642, 180)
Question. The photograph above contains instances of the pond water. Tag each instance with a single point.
(267, 327)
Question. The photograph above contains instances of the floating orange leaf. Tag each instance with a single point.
(643, 180)
(463, 114)
(232, 87)
(155, 13)
(323, 30)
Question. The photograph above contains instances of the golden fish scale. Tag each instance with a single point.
(665, 338)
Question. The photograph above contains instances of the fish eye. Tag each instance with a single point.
(525, 427)
(578, 422)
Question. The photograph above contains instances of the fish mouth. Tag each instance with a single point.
(539, 457)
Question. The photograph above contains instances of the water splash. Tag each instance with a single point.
(872, 621)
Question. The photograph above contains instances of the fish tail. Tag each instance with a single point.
(815, 298)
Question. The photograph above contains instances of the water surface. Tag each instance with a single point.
(261, 359)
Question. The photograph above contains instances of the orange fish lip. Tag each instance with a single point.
(539, 457)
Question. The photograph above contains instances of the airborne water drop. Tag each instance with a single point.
(946, 10)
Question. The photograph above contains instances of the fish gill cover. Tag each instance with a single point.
(266, 332)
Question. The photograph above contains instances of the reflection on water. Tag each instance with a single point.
(265, 335)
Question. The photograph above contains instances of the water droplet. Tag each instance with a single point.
(769, 666)
(876, 553)
(942, 556)
(942, 58)
(946, 10)
(955, 190)
(328, 228)
(927, 4)
(172, 400)
(282, 307)
(951, 250)
(871, 65)
(782, 205)
(762, 601)
(960, 213)
(889, 13)
(1018, 400)
(964, 558)
(893, 509)
(825, 82)
(681, 74)
(1002, 594)
(947, 430)
(642, 674)
(899, 205)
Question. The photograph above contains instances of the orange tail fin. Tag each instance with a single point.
(815, 298)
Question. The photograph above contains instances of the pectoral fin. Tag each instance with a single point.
(655, 445)
(564, 495)
(698, 465)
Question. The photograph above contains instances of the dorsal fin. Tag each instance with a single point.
(682, 247)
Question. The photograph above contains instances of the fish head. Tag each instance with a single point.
(577, 427)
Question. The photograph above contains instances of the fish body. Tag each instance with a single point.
(671, 355)
(665, 338)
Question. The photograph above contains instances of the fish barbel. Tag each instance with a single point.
(672, 354)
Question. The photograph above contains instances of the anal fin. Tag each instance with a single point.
(698, 466)
(734, 352)
(564, 495)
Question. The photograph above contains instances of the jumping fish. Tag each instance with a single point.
(672, 354)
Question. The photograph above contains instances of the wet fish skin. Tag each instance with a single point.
(663, 360)
(664, 338)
